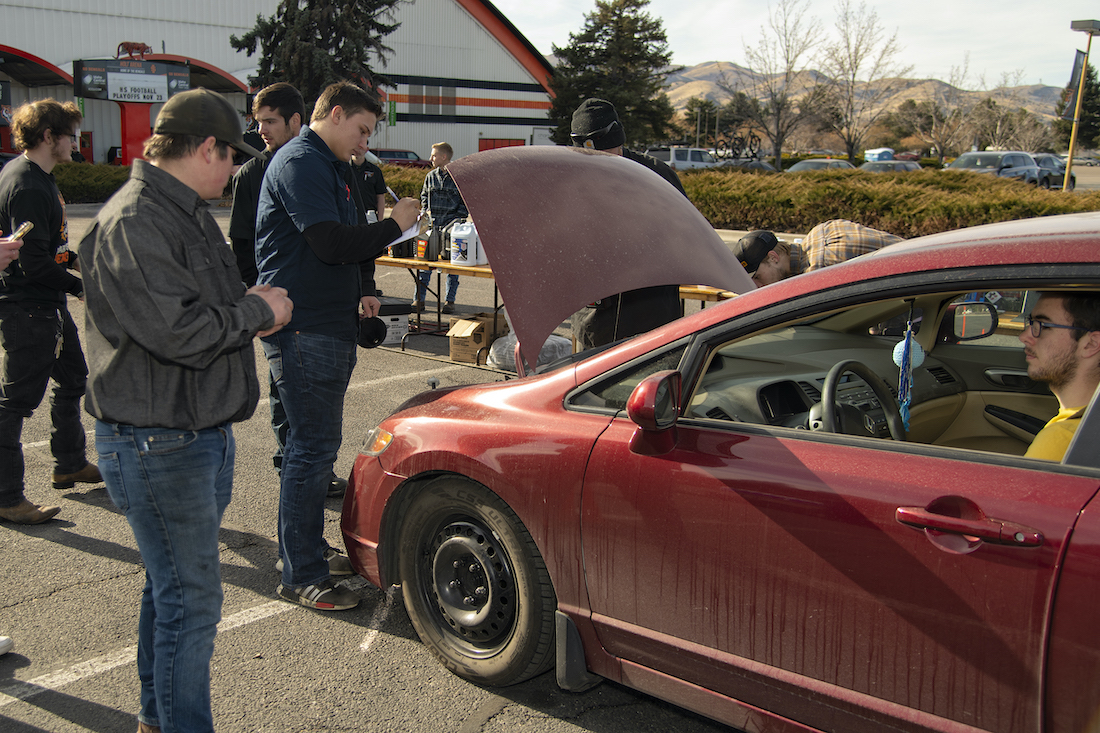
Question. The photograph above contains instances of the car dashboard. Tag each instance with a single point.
(776, 378)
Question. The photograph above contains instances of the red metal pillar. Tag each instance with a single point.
(135, 129)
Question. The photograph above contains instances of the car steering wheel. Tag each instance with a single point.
(829, 417)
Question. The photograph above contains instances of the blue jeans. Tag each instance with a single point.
(311, 372)
(39, 344)
(424, 279)
(173, 486)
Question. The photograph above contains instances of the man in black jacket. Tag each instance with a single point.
(596, 126)
(37, 334)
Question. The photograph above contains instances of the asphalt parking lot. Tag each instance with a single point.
(71, 588)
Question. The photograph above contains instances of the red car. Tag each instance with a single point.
(728, 512)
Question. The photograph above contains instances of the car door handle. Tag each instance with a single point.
(987, 529)
(1011, 378)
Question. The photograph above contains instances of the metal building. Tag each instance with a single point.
(463, 72)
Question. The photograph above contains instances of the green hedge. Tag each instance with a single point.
(907, 204)
(87, 183)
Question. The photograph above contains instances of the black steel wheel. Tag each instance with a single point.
(475, 586)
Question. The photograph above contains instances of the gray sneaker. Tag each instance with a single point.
(338, 563)
(324, 596)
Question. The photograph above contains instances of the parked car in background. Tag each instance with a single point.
(1053, 171)
(683, 159)
(820, 164)
(728, 512)
(752, 164)
(889, 166)
(909, 155)
(1003, 163)
(401, 157)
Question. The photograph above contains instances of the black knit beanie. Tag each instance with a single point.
(596, 125)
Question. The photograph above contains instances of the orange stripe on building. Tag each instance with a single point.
(470, 101)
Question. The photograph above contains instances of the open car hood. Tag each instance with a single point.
(563, 227)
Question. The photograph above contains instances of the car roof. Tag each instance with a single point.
(1035, 244)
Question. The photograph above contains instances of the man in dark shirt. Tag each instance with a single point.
(309, 241)
(37, 334)
(372, 187)
(279, 112)
(596, 126)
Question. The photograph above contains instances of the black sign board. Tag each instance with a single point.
(5, 104)
(129, 80)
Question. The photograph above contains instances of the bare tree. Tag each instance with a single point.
(779, 87)
(1001, 122)
(943, 122)
(863, 74)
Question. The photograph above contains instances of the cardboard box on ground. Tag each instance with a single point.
(470, 334)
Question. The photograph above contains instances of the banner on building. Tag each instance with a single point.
(1074, 86)
(129, 80)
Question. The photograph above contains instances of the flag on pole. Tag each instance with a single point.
(1074, 85)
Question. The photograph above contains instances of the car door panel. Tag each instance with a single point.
(975, 428)
(801, 573)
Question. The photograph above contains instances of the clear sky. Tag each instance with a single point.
(935, 35)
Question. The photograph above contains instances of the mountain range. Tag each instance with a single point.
(702, 80)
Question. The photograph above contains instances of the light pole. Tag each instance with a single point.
(1091, 27)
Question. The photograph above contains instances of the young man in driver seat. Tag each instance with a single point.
(1062, 348)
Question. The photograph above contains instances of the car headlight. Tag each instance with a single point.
(376, 442)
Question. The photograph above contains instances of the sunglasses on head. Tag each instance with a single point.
(586, 140)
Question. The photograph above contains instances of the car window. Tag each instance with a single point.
(612, 393)
(777, 378)
(681, 155)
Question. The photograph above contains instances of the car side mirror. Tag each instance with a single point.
(654, 407)
(969, 322)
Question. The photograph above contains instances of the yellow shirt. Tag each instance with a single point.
(1053, 440)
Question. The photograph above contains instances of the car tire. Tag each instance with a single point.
(1045, 183)
(475, 585)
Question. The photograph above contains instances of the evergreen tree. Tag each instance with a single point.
(622, 56)
(1088, 131)
(313, 43)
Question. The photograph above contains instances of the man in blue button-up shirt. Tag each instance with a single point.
(309, 241)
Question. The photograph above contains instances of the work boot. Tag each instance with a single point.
(28, 513)
(87, 475)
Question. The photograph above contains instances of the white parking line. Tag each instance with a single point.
(377, 618)
(16, 691)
